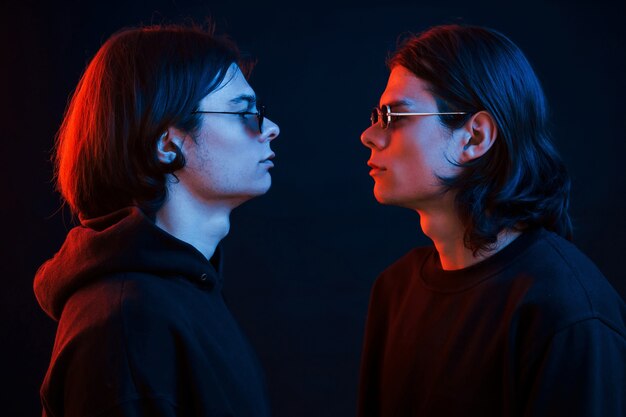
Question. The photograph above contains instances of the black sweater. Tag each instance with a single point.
(143, 329)
(534, 330)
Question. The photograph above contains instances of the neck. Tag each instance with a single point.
(201, 224)
(444, 228)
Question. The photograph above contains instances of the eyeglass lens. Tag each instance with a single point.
(380, 114)
(260, 116)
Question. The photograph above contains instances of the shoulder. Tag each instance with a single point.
(565, 287)
(149, 297)
(410, 261)
(123, 313)
(117, 298)
(400, 274)
(579, 371)
(126, 317)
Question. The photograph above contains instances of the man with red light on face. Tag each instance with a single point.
(162, 139)
(503, 316)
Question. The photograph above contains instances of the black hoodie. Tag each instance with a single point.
(143, 329)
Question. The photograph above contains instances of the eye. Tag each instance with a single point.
(395, 120)
(248, 115)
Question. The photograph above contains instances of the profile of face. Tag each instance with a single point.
(408, 156)
(229, 159)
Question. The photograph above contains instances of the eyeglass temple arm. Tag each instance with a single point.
(425, 114)
(226, 112)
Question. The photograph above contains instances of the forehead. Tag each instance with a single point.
(405, 88)
(233, 85)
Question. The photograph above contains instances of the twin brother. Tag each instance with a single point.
(163, 138)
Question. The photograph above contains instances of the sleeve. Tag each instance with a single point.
(90, 378)
(94, 371)
(581, 372)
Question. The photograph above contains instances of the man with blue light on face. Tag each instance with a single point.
(503, 316)
(161, 140)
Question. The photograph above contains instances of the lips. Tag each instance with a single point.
(374, 166)
(267, 162)
(376, 169)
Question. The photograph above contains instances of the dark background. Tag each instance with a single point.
(300, 261)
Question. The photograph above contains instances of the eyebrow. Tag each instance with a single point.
(247, 98)
(399, 103)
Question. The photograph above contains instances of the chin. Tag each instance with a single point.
(265, 187)
(388, 202)
(384, 196)
(259, 189)
(389, 198)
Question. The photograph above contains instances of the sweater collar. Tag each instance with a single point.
(436, 278)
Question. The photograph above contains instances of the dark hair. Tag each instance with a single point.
(140, 82)
(521, 182)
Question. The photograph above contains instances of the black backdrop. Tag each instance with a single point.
(299, 261)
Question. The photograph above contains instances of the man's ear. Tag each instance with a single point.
(479, 135)
(169, 145)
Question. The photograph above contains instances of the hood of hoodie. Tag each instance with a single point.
(122, 241)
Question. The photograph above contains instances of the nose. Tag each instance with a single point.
(372, 137)
(270, 130)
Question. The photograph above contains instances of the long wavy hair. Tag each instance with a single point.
(139, 83)
(521, 182)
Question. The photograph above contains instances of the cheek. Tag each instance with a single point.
(218, 151)
(228, 165)
(408, 159)
(418, 162)
(220, 165)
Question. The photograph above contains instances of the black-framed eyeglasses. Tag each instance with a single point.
(260, 114)
(385, 114)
